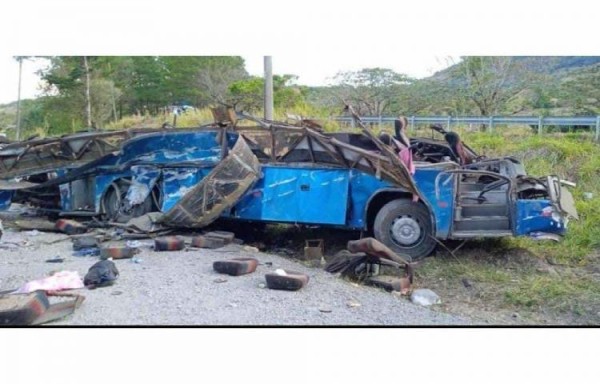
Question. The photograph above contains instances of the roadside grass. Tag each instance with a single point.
(578, 295)
(573, 157)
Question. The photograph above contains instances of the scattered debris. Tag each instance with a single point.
(116, 251)
(226, 236)
(56, 259)
(289, 281)
(467, 283)
(262, 285)
(391, 283)
(101, 274)
(545, 236)
(32, 233)
(58, 281)
(36, 224)
(220, 280)
(313, 252)
(170, 243)
(70, 227)
(34, 308)
(325, 310)
(353, 304)
(280, 272)
(236, 267)
(207, 242)
(588, 195)
(84, 242)
(139, 244)
(362, 260)
(84, 252)
(425, 297)
(116, 293)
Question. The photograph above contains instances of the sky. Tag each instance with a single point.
(308, 70)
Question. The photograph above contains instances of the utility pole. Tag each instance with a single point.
(18, 133)
(88, 103)
(268, 88)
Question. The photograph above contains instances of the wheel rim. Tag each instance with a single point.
(405, 231)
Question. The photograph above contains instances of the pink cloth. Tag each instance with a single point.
(405, 156)
(59, 281)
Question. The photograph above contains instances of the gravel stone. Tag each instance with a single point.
(178, 288)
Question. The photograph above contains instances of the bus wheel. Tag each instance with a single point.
(405, 227)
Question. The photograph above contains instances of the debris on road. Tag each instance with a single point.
(313, 252)
(70, 227)
(101, 274)
(236, 267)
(425, 297)
(204, 241)
(116, 251)
(35, 308)
(56, 259)
(362, 262)
(58, 281)
(170, 243)
(289, 281)
(84, 242)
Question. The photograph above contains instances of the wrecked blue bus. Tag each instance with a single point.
(283, 174)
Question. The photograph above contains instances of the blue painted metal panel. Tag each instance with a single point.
(362, 187)
(5, 199)
(176, 182)
(172, 147)
(323, 196)
(538, 215)
(296, 195)
(442, 207)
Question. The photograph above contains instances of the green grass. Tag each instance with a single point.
(558, 294)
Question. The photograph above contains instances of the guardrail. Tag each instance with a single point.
(490, 121)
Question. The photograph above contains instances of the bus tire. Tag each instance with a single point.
(405, 227)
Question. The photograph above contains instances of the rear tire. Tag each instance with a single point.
(405, 227)
(115, 210)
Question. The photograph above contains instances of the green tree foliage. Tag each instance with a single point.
(247, 94)
(140, 84)
(372, 91)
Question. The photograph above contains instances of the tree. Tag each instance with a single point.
(248, 94)
(489, 81)
(370, 90)
(216, 75)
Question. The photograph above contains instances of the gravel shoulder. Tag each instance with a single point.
(181, 288)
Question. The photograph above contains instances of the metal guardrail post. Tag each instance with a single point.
(448, 123)
(380, 121)
(412, 123)
(491, 124)
(540, 125)
(597, 128)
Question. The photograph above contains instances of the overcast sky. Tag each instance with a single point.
(308, 70)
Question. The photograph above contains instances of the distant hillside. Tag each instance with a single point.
(553, 65)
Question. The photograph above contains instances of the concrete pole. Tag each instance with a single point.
(268, 88)
(18, 133)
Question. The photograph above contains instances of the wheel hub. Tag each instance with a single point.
(405, 230)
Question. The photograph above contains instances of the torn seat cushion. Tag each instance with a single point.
(170, 243)
(236, 267)
(291, 281)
